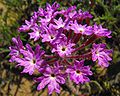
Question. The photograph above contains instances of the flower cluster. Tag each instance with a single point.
(60, 31)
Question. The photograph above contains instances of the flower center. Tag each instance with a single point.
(33, 61)
(98, 31)
(63, 49)
(78, 72)
(52, 37)
(81, 30)
(53, 75)
(21, 56)
(97, 53)
(37, 33)
(48, 19)
(61, 25)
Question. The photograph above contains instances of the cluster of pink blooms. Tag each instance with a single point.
(62, 31)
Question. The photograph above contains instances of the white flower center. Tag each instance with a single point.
(51, 37)
(78, 72)
(48, 19)
(37, 33)
(97, 53)
(61, 26)
(81, 29)
(98, 31)
(52, 76)
(63, 49)
(33, 61)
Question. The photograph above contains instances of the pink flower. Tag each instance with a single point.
(52, 35)
(37, 31)
(59, 23)
(101, 32)
(15, 50)
(81, 29)
(31, 60)
(84, 15)
(100, 54)
(78, 73)
(65, 35)
(64, 48)
(52, 77)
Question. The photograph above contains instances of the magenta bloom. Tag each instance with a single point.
(41, 12)
(78, 73)
(64, 48)
(37, 30)
(59, 23)
(73, 15)
(27, 26)
(100, 54)
(81, 29)
(31, 60)
(35, 16)
(52, 8)
(84, 15)
(69, 13)
(51, 35)
(49, 13)
(65, 37)
(51, 78)
(15, 50)
(101, 32)
(46, 20)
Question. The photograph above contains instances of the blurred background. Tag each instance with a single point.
(106, 82)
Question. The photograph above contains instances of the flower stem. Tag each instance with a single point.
(92, 38)
(69, 35)
(52, 61)
(87, 55)
(49, 56)
(65, 61)
(76, 38)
